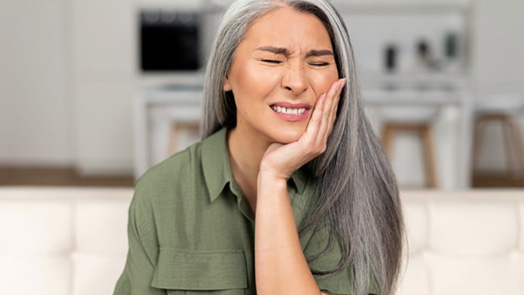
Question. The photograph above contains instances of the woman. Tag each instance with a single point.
(285, 143)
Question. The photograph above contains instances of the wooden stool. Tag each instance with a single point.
(512, 142)
(503, 109)
(177, 130)
(425, 132)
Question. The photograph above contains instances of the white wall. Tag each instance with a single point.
(35, 106)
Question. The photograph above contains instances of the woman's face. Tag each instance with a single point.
(279, 70)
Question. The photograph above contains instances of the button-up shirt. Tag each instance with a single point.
(192, 231)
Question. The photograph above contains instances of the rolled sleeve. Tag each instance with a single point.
(143, 249)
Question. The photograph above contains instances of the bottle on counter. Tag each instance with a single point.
(390, 58)
(451, 52)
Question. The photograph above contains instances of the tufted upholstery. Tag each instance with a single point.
(58, 241)
(464, 243)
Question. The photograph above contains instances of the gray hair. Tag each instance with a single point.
(357, 192)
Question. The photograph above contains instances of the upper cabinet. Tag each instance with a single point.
(401, 6)
(176, 4)
(372, 6)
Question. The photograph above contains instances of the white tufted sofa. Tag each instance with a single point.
(73, 241)
(464, 243)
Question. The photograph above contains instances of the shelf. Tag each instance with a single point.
(344, 6)
(402, 7)
(436, 80)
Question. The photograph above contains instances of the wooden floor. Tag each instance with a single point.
(497, 180)
(59, 177)
(69, 177)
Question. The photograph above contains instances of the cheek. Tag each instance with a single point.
(253, 80)
(322, 81)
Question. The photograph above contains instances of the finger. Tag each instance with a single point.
(316, 118)
(337, 97)
(327, 120)
(336, 101)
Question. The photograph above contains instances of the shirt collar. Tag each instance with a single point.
(217, 168)
(215, 163)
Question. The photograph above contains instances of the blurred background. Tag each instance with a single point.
(95, 92)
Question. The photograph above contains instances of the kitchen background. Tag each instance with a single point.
(78, 93)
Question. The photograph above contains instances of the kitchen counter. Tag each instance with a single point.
(157, 108)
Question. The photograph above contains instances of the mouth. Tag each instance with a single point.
(291, 112)
(288, 111)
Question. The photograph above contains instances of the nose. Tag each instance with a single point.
(294, 79)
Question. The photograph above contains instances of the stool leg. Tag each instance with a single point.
(519, 147)
(429, 157)
(388, 133)
(480, 124)
(511, 165)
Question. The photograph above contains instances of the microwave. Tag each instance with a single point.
(169, 40)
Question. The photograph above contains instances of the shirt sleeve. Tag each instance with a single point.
(143, 249)
(339, 282)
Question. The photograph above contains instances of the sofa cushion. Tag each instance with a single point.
(464, 228)
(35, 274)
(29, 227)
(415, 277)
(101, 226)
(457, 274)
(96, 273)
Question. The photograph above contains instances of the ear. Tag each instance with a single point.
(227, 85)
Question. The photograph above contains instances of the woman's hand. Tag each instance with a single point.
(281, 160)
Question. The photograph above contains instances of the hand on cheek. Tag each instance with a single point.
(281, 161)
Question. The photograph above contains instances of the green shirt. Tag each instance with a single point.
(191, 230)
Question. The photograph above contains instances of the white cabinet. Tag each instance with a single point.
(104, 125)
(103, 45)
(157, 111)
(34, 78)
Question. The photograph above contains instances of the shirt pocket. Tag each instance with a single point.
(189, 272)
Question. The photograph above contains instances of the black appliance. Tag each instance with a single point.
(169, 41)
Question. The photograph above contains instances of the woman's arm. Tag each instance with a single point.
(141, 258)
(280, 264)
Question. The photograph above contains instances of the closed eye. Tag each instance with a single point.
(271, 61)
(319, 64)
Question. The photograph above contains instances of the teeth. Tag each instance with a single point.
(289, 111)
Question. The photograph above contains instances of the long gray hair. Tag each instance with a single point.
(357, 191)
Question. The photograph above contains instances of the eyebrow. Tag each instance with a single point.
(284, 51)
(319, 53)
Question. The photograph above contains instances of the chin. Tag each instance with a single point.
(288, 135)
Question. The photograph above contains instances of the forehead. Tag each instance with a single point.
(286, 27)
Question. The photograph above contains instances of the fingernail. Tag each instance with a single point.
(341, 84)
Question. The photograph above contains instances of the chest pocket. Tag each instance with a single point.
(184, 272)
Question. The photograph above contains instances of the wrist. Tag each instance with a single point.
(270, 186)
(272, 178)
